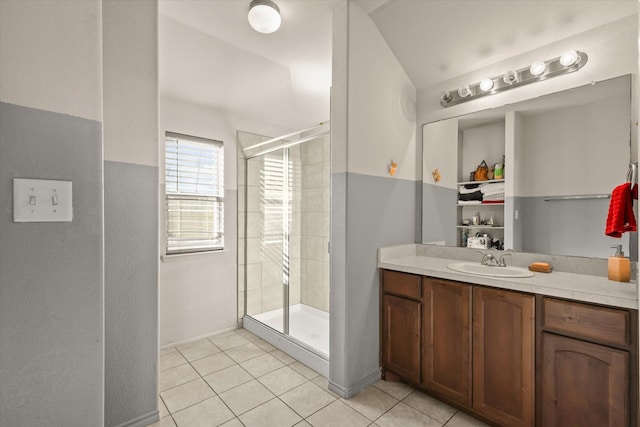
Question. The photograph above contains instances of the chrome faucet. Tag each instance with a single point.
(501, 261)
(488, 259)
(491, 261)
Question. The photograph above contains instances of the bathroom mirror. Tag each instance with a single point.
(564, 153)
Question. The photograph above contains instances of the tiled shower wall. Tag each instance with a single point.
(308, 229)
(316, 196)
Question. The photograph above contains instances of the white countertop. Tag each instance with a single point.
(580, 287)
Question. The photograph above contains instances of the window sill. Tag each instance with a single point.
(180, 257)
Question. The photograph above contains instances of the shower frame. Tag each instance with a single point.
(287, 343)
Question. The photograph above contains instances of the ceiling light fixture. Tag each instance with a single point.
(569, 62)
(264, 16)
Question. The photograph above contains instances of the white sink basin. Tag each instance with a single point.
(478, 269)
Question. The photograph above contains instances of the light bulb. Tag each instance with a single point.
(264, 16)
(537, 68)
(570, 57)
(510, 77)
(486, 85)
(464, 91)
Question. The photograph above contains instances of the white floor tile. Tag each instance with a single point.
(403, 415)
(307, 399)
(398, 390)
(271, 414)
(198, 349)
(338, 414)
(261, 365)
(228, 378)
(371, 402)
(211, 364)
(304, 370)
(244, 352)
(172, 377)
(429, 406)
(463, 420)
(228, 341)
(170, 359)
(208, 413)
(246, 397)
(282, 380)
(186, 395)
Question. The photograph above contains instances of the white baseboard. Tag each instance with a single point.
(198, 338)
(349, 392)
(142, 420)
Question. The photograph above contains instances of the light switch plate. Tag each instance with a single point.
(42, 200)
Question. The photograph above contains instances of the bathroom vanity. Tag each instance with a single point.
(556, 349)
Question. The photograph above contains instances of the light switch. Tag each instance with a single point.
(42, 200)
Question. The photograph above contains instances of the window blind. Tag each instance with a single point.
(194, 195)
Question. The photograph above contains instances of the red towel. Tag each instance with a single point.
(620, 217)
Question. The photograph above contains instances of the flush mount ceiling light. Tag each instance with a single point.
(264, 16)
(569, 62)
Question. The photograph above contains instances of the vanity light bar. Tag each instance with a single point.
(540, 70)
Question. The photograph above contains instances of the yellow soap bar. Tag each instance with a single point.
(619, 269)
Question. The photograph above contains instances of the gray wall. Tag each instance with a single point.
(51, 275)
(131, 276)
(379, 212)
(566, 227)
(439, 214)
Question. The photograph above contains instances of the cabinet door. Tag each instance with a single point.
(401, 337)
(503, 356)
(583, 384)
(446, 363)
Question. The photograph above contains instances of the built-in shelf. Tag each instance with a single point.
(480, 182)
(482, 204)
(496, 227)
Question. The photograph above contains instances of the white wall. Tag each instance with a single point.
(198, 293)
(40, 51)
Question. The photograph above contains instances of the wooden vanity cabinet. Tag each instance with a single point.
(504, 356)
(446, 361)
(587, 368)
(400, 324)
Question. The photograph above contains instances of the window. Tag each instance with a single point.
(194, 195)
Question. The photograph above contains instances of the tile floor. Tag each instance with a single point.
(238, 379)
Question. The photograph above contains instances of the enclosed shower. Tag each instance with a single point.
(284, 209)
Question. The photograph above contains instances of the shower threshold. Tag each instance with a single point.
(308, 339)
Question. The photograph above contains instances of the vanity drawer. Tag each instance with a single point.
(403, 284)
(603, 324)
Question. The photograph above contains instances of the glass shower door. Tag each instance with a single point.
(268, 224)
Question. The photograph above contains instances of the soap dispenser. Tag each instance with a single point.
(619, 266)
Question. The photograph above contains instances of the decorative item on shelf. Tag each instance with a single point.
(392, 168)
(436, 175)
(568, 62)
(482, 171)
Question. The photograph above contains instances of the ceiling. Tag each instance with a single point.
(210, 56)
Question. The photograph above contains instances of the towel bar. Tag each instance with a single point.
(577, 197)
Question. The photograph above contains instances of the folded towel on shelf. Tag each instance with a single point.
(495, 196)
(477, 195)
(463, 190)
(620, 218)
(469, 202)
(488, 202)
(498, 187)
